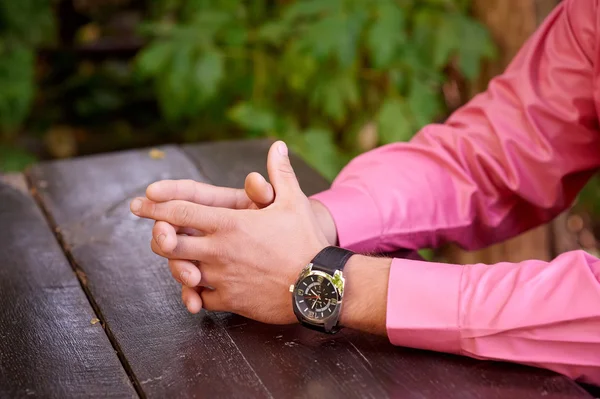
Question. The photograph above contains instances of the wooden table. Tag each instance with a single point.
(71, 253)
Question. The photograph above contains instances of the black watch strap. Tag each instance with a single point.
(331, 259)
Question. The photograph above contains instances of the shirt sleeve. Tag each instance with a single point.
(512, 158)
(542, 314)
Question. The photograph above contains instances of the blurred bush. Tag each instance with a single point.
(333, 78)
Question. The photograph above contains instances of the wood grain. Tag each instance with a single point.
(48, 346)
(170, 352)
(290, 359)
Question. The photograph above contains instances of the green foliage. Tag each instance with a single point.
(14, 159)
(16, 80)
(24, 24)
(589, 197)
(310, 71)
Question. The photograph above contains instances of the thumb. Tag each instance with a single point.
(281, 173)
(259, 190)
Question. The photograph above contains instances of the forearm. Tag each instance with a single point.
(513, 157)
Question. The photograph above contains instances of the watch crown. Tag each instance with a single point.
(292, 288)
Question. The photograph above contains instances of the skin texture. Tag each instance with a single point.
(238, 250)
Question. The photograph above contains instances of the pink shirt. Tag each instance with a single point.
(512, 158)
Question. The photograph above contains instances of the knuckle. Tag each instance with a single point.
(182, 215)
(287, 171)
(217, 251)
(150, 210)
(228, 223)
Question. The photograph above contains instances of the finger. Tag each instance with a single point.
(211, 300)
(165, 235)
(281, 173)
(182, 213)
(259, 190)
(190, 248)
(185, 272)
(191, 299)
(199, 193)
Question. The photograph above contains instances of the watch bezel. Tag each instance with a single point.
(337, 280)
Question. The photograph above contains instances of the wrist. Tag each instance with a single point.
(365, 294)
(325, 220)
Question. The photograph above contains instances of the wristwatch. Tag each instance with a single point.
(318, 293)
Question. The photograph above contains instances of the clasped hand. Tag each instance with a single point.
(236, 250)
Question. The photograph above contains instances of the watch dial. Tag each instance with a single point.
(316, 297)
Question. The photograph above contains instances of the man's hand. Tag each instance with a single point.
(248, 257)
(256, 194)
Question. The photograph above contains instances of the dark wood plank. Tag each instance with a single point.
(48, 346)
(229, 162)
(293, 360)
(170, 352)
(409, 373)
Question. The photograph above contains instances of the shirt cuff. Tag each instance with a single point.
(423, 305)
(356, 217)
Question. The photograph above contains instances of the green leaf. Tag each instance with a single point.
(273, 32)
(17, 85)
(336, 94)
(423, 35)
(234, 35)
(393, 121)
(208, 73)
(299, 67)
(153, 59)
(425, 102)
(317, 147)
(174, 84)
(336, 35)
(310, 8)
(14, 159)
(29, 22)
(427, 254)
(476, 45)
(386, 34)
(447, 41)
(253, 117)
(209, 22)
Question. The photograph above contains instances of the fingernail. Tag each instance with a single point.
(184, 276)
(161, 237)
(283, 150)
(136, 205)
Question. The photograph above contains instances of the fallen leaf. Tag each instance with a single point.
(94, 320)
(155, 153)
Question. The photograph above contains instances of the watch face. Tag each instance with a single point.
(316, 297)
